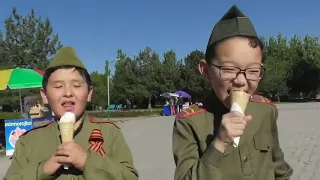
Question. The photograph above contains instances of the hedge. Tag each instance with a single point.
(123, 114)
(10, 115)
(99, 114)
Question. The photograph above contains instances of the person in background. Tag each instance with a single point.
(180, 103)
(203, 146)
(172, 106)
(176, 107)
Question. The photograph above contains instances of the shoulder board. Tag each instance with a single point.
(39, 127)
(260, 99)
(190, 111)
(93, 120)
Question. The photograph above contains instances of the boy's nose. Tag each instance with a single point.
(240, 81)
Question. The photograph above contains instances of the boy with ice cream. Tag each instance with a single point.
(73, 146)
(234, 136)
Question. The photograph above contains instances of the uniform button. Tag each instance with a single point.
(245, 159)
(268, 146)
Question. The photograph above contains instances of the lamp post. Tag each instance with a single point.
(107, 71)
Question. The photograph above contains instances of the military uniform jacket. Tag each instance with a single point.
(258, 156)
(113, 161)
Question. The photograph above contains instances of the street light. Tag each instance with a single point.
(108, 83)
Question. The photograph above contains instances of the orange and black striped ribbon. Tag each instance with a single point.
(96, 141)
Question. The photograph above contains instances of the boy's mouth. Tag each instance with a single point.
(68, 106)
(230, 91)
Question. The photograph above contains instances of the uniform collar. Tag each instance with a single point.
(214, 105)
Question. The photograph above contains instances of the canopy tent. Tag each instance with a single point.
(183, 94)
(168, 95)
(21, 78)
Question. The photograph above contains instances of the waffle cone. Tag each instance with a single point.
(66, 131)
(240, 98)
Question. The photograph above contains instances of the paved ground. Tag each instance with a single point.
(150, 143)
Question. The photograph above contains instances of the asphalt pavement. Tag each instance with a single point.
(150, 142)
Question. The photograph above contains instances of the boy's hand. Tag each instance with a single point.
(233, 125)
(51, 165)
(71, 153)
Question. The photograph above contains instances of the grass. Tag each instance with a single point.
(274, 102)
(123, 119)
(125, 114)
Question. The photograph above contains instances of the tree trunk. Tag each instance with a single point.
(149, 103)
(278, 96)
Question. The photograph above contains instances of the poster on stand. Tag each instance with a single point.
(13, 130)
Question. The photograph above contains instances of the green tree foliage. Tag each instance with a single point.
(292, 70)
(28, 42)
(293, 66)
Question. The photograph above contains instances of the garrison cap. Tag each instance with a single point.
(66, 56)
(233, 23)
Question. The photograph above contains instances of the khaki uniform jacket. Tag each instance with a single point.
(35, 147)
(258, 156)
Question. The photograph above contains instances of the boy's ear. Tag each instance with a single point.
(90, 94)
(203, 68)
(44, 96)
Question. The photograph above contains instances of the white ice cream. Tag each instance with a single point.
(68, 117)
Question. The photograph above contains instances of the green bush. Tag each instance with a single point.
(99, 114)
(10, 115)
(123, 114)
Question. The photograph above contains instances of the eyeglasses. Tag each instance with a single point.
(231, 73)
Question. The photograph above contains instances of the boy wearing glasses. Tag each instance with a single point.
(202, 137)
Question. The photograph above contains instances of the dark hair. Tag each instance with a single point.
(254, 42)
(84, 73)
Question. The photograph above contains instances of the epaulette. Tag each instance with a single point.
(260, 99)
(92, 120)
(190, 111)
(38, 127)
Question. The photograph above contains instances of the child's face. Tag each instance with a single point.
(67, 91)
(233, 54)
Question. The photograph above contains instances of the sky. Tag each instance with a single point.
(97, 28)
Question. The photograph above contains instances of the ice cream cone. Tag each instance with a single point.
(239, 99)
(66, 131)
(239, 103)
(66, 126)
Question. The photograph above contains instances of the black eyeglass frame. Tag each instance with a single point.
(241, 71)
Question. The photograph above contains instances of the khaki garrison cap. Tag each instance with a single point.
(66, 56)
(233, 23)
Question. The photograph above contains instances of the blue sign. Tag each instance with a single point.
(13, 130)
(41, 121)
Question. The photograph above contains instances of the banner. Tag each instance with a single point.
(13, 130)
(41, 121)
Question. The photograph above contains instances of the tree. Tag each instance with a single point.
(292, 67)
(127, 83)
(150, 73)
(304, 77)
(275, 77)
(276, 56)
(170, 76)
(195, 84)
(99, 82)
(29, 41)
